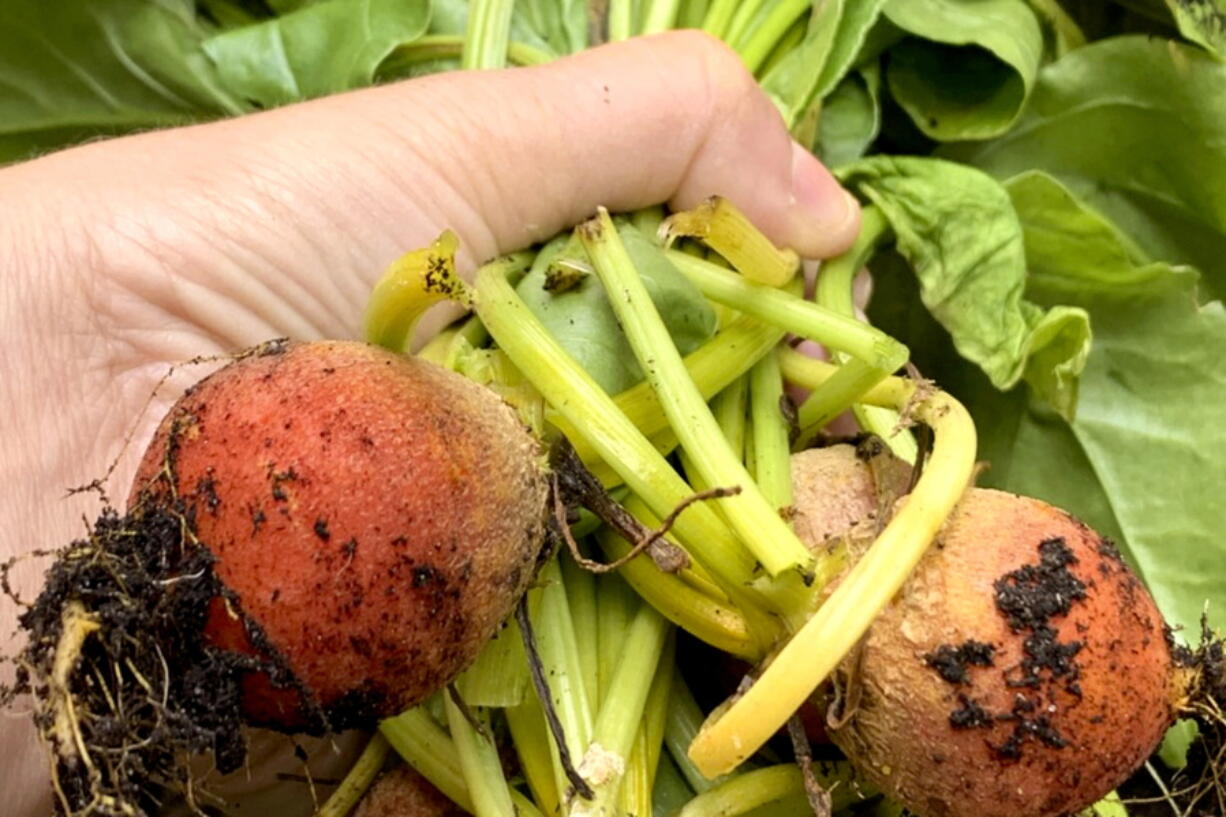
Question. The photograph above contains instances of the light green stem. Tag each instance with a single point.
(835, 396)
(581, 593)
(758, 45)
(743, 793)
(594, 416)
(357, 780)
(479, 762)
(428, 749)
(444, 46)
(605, 761)
(562, 667)
(835, 290)
(712, 367)
(661, 16)
(719, 17)
(757, 524)
(488, 34)
(772, 456)
(534, 749)
(621, 20)
(615, 603)
(836, 627)
(648, 742)
(804, 318)
(717, 623)
(728, 407)
(746, 10)
(683, 724)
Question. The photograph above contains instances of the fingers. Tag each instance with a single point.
(280, 222)
(669, 118)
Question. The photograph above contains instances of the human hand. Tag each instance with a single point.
(124, 256)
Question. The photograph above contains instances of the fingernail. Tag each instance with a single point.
(827, 214)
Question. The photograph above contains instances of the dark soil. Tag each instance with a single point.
(125, 685)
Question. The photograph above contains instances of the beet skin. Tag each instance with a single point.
(374, 517)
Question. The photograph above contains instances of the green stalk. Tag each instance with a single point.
(804, 318)
(661, 16)
(616, 604)
(561, 664)
(745, 792)
(719, 624)
(682, 726)
(645, 754)
(746, 10)
(759, 44)
(596, 418)
(479, 762)
(837, 626)
(488, 34)
(757, 524)
(450, 46)
(835, 290)
(357, 780)
(692, 13)
(532, 745)
(671, 791)
(719, 18)
(835, 396)
(605, 761)
(712, 367)
(621, 20)
(581, 593)
(728, 408)
(772, 456)
(793, 38)
(429, 750)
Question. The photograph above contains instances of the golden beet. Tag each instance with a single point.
(374, 517)
(1023, 671)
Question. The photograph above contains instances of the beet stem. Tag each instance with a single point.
(836, 627)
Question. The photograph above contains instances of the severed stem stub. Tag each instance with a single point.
(575, 485)
(541, 685)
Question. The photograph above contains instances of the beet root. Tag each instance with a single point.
(373, 519)
(1023, 670)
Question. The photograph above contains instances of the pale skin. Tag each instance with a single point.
(122, 257)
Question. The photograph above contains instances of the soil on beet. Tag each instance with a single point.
(125, 688)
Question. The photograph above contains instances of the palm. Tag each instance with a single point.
(125, 257)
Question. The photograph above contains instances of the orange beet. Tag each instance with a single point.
(1022, 671)
(374, 518)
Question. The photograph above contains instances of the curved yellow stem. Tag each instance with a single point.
(822, 642)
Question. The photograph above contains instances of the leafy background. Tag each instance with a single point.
(1054, 176)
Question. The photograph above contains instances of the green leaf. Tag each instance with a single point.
(560, 23)
(1061, 34)
(319, 49)
(793, 82)
(583, 322)
(1137, 128)
(850, 117)
(1071, 247)
(834, 36)
(968, 68)
(1141, 463)
(72, 69)
(1201, 21)
(957, 228)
